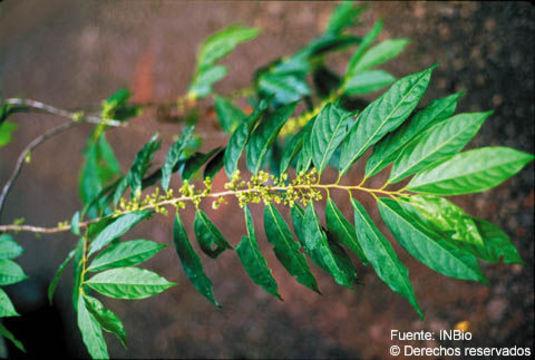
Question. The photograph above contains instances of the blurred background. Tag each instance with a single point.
(72, 53)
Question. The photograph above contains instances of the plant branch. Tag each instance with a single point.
(23, 155)
(174, 201)
(74, 116)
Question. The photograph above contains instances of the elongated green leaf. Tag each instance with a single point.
(139, 167)
(175, 154)
(342, 259)
(304, 159)
(437, 143)
(293, 146)
(383, 116)
(210, 239)
(105, 318)
(308, 230)
(286, 249)
(191, 263)
(498, 246)
(284, 88)
(9, 335)
(222, 43)
(343, 16)
(470, 171)
(239, 138)
(264, 135)
(195, 162)
(75, 224)
(427, 246)
(367, 81)
(253, 261)
(445, 217)
(126, 253)
(6, 306)
(128, 283)
(205, 78)
(380, 53)
(367, 40)
(10, 272)
(215, 164)
(91, 332)
(141, 164)
(389, 148)
(6, 131)
(213, 49)
(229, 116)
(342, 230)
(9, 248)
(117, 228)
(328, 131)
(99, 168)
(382, 257)
(54, 283)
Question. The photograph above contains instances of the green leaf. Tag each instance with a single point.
(470, 171)
(285, 88)
(9, 248)
(195, 162)
(253, 261)
(128, 283)
(293, 146)
(427, 246)
(344, 16)
(383, 116)
(367, 40)
(440, 141)
(141, 164)
(10, 272)
(366, 82)
(239, 138)
(126, 253)
(175, 154)
(326, 81)
(6, 131)
(213, 49)
(202, 83)
(91, 332)
(116, 107)
(191, 263)
(342, 230)
(105, 318)
(54, 283)
(210, 239)
(328, 131)
(445, 217)
(304, 159)
(100, 167)
(286, 249)
(380, 53)
(497, 245)
(117, 229)
(6, 306)
(382, 257)
(308, 230)
(264, 135)
(8, 335)
(215, 164)
(389, 148)
(229, 116)
(75, 224)
(222, 43)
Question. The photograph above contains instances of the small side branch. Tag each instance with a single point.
(28, 150)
